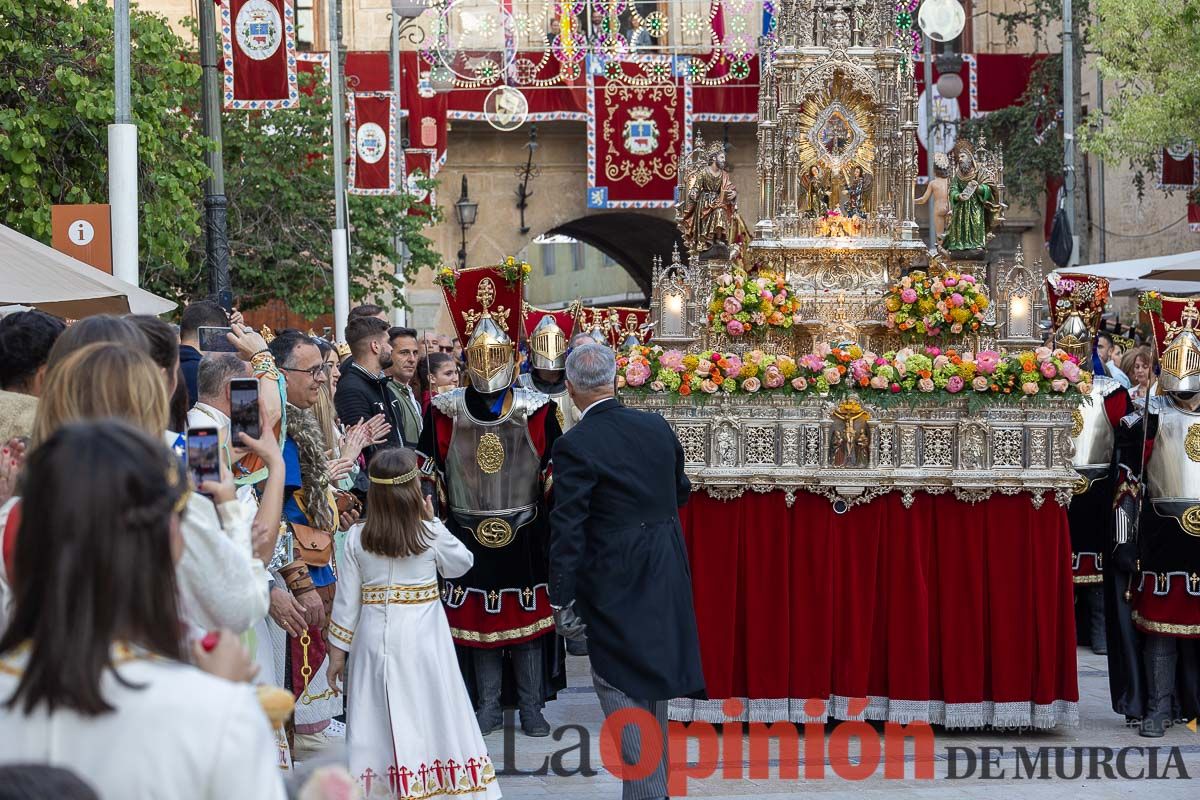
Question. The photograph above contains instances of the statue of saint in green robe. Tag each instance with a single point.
(974, 207)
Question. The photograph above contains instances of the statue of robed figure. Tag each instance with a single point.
(975, 206)
(707, 211)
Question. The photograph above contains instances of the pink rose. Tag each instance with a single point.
(1059, 384)
(797, 318)
(636, 374)
(658, 386)
(1071, 371)
(823, 349)
(956, 299)
(708, 387)
(751, 385)
(832, 376)
(1029, 387)
(1085, 388)
(940, 361)
(773, 378)
(765, 294)
(906, 282)
(758, 318)
(987, 361)
(901, 370)
(1048, 369)
(955, 384)
(735, 328)
(933, 352)
(860, 369)
(725, 279)
(956, 328)
(980, 383)
(951, 282)
(925, 384)
(672, 360)
(704, 368)
(879, 382)
(895, 388)
(739, 294)
(732, 306)
(1043, 353)
(967, 278)
(908, 296)
(799, 384)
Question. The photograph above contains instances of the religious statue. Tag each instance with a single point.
(857, 192)
(938, 190)
(974, 205)
(850, 443)
(817, 192)
(707, 213)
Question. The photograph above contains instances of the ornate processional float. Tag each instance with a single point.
(846, 403)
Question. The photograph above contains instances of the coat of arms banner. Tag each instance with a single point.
(372, 142)
(639, 123)
(258, 47)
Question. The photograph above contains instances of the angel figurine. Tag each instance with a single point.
(817, 192)
(857, 193)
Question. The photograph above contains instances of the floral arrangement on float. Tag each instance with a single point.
(743, 304)
(512, 270)
(906, 375)
(835, 223)
(921, 306)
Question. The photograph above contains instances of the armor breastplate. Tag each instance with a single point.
(1173, 472)
(566, 414)
(1093, 434)
(491, 467)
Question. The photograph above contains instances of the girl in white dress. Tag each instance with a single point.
(410, 728)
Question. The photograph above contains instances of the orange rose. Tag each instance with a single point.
(685, 388)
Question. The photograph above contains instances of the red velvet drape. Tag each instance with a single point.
(944, 601)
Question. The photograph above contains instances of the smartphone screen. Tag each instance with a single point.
(214, 340)
(204, 454)
(243, 409)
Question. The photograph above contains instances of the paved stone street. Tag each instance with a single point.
(1099, 727)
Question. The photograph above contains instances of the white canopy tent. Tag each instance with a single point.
(1134, 286)
(32, 274)
(1178, 267)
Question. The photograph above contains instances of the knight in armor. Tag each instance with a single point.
(546, 334)
(1076, 303)
(488, 448)
(1163, 550)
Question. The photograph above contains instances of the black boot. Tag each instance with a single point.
(527, 664)
(1160, 656)
(1096, 616)
(489, 675)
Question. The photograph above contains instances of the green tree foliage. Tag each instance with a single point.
(56, 102)
(1151, 50)
(279, 185)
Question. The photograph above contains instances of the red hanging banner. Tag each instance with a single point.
(420, 165)
(636, 134)
(1177, 167)
(258, 42)
(372, 137)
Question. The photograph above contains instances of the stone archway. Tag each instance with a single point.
(629, 238)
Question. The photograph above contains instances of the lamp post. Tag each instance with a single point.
(465, 209)
(123, 157)
(526, 174)
(216, 225)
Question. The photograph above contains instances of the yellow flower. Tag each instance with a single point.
(526, 269)
(510, 261)
(690, 363)
(855, 351)
(786, 365)
(981, 301)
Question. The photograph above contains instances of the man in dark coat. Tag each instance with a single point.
(618, 565)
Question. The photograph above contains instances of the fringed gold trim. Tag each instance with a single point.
(1169, 628)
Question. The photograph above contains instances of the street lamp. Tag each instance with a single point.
(465, 210)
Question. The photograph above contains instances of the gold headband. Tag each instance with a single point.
(398, 480)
